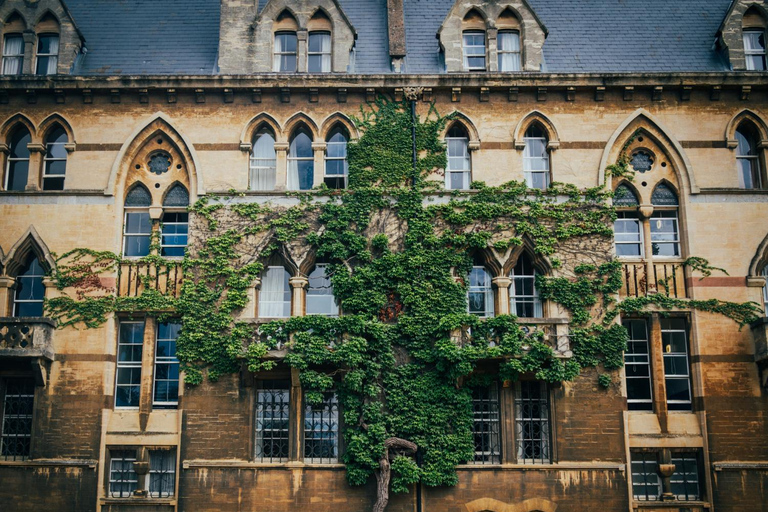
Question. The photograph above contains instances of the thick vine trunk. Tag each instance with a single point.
(383, 476)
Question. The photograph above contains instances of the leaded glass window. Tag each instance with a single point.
(536, 157)
(677, 376)
(486, 424)
(625, 196)
(532, 433)
(747, 158)
(480, 293)
(17, 170)
(162, 473)
(320, 299)
(637, 363)
(474, 50)
(642, 161)
(166, 388)
(29, 295)
(524, 298)
(123, 480)
(130, 347)
(18, 396)
(272, 421)
(663, 195)
(321, 431)
(55, 159)
(459, 168)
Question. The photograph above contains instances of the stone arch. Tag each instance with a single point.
(760, 259)
(632, 189)
(535, 116)
(284, 254)
(158, 123)
(512, 254)
(489, 259)
(15, 120)
(469, 125)
(642, 120)
(335, 119)
(253, 126)
(295, 121)
(12, 16)
(745, 115)
(30, 242)
(486, 505)
(48, 13)
(52, 120)
(472, 11)
(168, 190)
(320, 15)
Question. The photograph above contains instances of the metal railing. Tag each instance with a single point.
(134, 278)
(666, 278)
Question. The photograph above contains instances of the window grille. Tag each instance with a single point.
(747, 158)
(487, 424)
(319, 52)
(754, 50)
(129, 351)
(459, 168)
(480, 293)
(646, 484)
(674, 339)
(17, 171)
(123, 480)
(536, 158)
(532, 434)
(637, 362)
(321, 431)
(162, 473)
(628, 235)
(263, 166)
(166, 388)
(55, 159)
(18, 406)
(272, 421)
(663, 195)
(286, 45)
(474, 50)
(336, 165)
(29, 296)
(508, 42)
(13, 54)
(47, 54)
(685, 479)
(524, 297)
(320, 299)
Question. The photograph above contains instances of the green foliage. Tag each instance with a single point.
(403, 356)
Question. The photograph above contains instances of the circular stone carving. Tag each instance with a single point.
(159, 163)
(642, 161)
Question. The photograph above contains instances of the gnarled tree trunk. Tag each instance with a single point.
(399, 447)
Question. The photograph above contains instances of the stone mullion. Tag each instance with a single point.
(319, 154)
(281, 166)
(507, 406)
(29, 52)
(296, 419)
(34, 174)
(147, 371)
(502, 285)
(657, 372)
(7, 287)
(301, 64)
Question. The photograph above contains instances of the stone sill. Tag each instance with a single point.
(558, 466)
(69, 192)
(676, 505)
(241, 464)
(41, 463)
(741, 466)
(138, 501)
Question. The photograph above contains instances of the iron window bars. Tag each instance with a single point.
(486, 424)
(272, 421)
(532, 431)
(321, 431)
(18, 405)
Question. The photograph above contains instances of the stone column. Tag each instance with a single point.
(298, 284)
(301, 64)
(502, 284)
(253, 297)
(319, 149)
(493, 61)
(281, 166)
(147, 372)
(36, 152)
(6, 295)
(29, 52)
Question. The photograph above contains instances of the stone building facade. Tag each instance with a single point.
(115, 117)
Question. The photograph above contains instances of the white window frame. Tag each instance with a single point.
(266, 167)
(277, 63)
(128, 364)
(126, 234)
(465, 159)
(163, 224)
(332, 310)
(486, 288)
(48, 159)
(527, 159)
(129, 460)
(501, 53)
(11, 160)
(754, 160)
(754, 52)
(514, 297)
(54, 56)
(640, 242)
(678, 376)
(282, 303)
(166, 361)
(640, 360)
(328, 145)
(329, 53)
(676, 241)
(13, 56)
(466, 47)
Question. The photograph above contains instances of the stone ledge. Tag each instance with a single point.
(560, 466)
(740, 466)
(38, 463)
(241, 464)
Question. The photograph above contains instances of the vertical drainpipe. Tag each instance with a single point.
(413, 145)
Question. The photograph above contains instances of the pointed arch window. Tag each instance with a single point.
(301, 161)
(17, 170)
(754, 49)
(509, 50)
(13, 54)
(536, 157)
(30, 291)
(764, 273)
(275, 294)
(263, 165)
(627, 226)
(474, 50)
(665, 231)
(319, 52)
(137, 227)
(320, 299)
(285, 52)
(55, 165)
(47, 54)
(336, 165)
(480, 292)
(748, 157)
(459, 168)
(524, 298)
(174, 228)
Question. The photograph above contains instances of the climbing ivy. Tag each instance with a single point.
(404, 355)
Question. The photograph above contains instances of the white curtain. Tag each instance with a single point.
(278, 53)
(13, 55)
(509, 51)
(325, 42)
(263, 163)
(272, 299)
(53, 60)
(293, 167)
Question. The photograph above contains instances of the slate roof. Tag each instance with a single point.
(167, 37)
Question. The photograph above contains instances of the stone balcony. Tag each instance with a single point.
(30, 338)
(643, 278)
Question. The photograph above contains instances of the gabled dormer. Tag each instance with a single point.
(491, 36)
(742, 35)
(38, 38)
(286, 36)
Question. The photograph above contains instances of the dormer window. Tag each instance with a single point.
(47, 54)
(754, 49)
(13, 54)
(474, 50)
(509, 50)
(319, 54)
(285, 58)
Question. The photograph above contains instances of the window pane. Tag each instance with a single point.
(320, 299)
(162, 473)
(122, 477)
(637, 366)
(275, 294)
(272, 421)
(166, 392)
